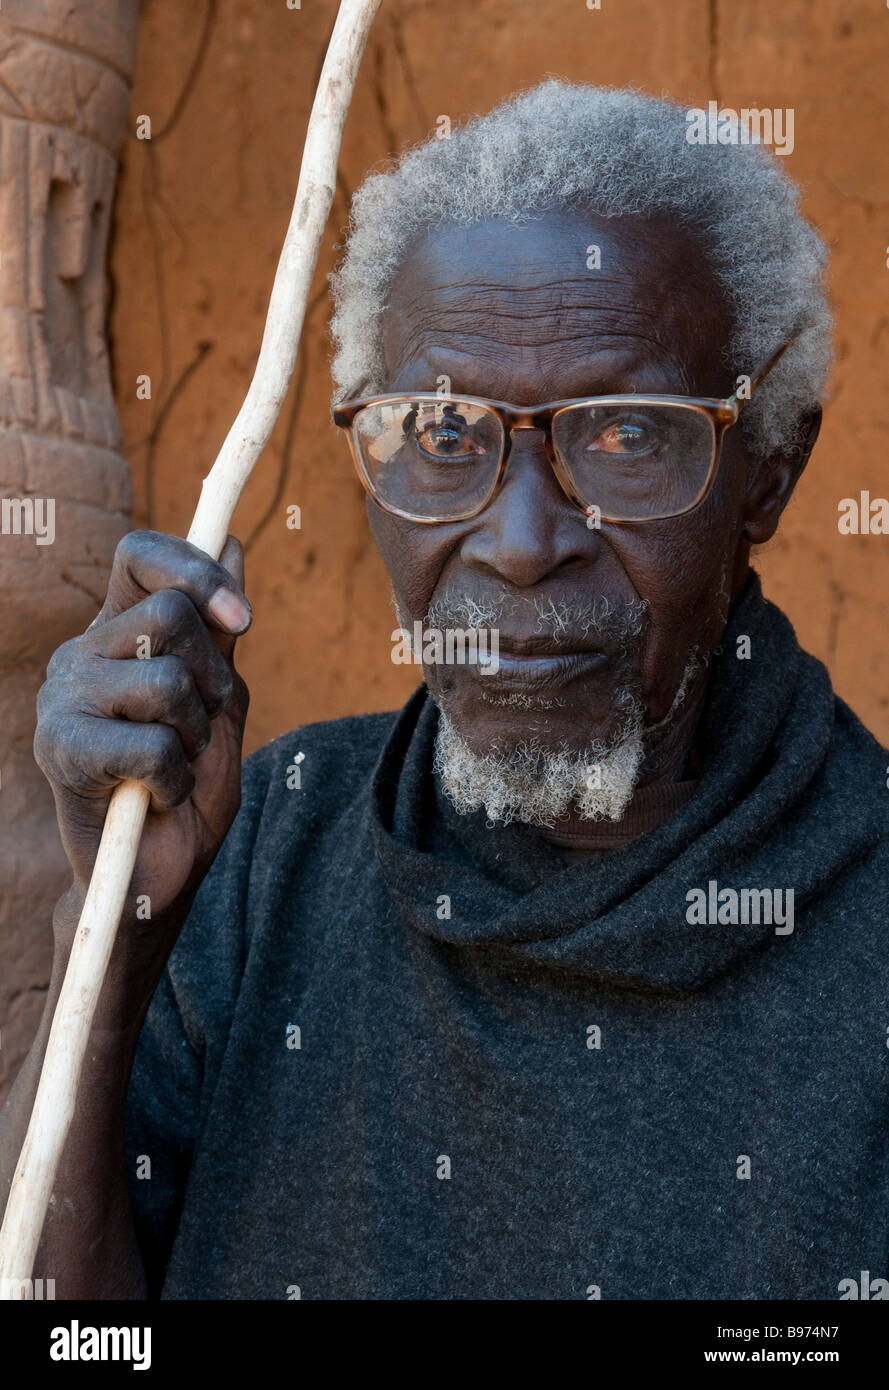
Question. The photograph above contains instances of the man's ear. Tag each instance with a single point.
(773, 480)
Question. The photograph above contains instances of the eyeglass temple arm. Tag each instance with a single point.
(355, 392)
(764, 371)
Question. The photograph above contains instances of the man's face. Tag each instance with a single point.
(511, 312)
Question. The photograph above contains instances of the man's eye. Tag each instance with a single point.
(627, 437)
(446, 439)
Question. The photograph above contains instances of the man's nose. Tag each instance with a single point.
(531, 528)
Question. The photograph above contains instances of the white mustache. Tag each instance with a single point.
(618, 622)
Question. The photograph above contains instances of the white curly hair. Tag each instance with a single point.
(614, 152)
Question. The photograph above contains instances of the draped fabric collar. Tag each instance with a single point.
(761, 818)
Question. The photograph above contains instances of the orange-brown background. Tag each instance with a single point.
(201, 213)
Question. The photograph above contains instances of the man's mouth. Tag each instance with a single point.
(537, 665)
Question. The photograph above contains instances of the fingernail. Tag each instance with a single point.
(229, 610)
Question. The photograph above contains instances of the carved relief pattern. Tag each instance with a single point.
(64, 100)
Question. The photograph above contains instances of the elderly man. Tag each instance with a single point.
(566, 981)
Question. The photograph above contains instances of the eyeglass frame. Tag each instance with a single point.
(721, 412)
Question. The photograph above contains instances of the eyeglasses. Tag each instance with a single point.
(443, 458)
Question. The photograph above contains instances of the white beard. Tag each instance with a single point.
(538, 785)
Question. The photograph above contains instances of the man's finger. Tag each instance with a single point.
(148, 561)
(231, 559)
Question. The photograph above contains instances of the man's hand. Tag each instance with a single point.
(150, 692)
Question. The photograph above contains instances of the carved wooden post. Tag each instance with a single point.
(64, 486)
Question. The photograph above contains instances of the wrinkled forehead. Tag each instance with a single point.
(565, 303)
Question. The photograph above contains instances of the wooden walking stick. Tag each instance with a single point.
(54, 1104)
